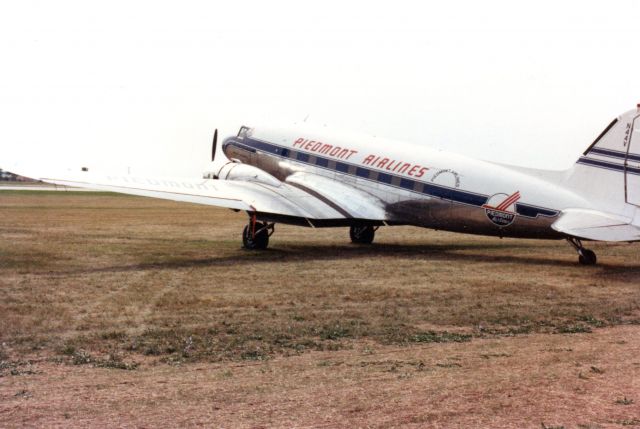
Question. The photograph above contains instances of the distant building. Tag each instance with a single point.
(10, 177)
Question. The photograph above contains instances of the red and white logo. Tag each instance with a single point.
(501, 208)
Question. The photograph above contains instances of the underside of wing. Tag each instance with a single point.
(596, 225)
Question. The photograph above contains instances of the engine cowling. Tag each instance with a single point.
(245, 172)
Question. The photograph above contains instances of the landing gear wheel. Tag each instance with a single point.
(362, 234)
(587, 257)
(257, 240)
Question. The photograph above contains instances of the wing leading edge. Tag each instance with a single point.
(308, 199)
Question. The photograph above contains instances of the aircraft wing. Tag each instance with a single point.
(596, 225)
(308, 196)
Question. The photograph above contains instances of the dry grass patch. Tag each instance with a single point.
(172, 281)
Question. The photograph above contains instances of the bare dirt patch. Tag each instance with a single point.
(572, 381)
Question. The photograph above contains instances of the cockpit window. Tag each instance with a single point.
(244, 131)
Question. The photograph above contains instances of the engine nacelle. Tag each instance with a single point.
(249, 173)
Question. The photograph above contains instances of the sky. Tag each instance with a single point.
(142, 84)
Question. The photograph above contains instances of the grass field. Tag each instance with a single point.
(153, 309)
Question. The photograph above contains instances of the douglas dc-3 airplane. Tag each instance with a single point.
(310, 177)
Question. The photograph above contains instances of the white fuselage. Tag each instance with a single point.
(418, 185)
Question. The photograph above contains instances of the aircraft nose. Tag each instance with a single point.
(226, 143)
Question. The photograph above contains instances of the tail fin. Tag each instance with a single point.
(609, 170)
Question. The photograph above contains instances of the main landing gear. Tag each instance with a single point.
(362, 234)
(255, 235)
(585, 256)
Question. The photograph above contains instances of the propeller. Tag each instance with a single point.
(214, 144)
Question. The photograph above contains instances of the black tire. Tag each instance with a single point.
(587, 257)
(362, 234)
(259, 241)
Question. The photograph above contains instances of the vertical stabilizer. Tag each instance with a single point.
(608, 172)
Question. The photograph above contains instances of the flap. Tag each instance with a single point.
(348, 200)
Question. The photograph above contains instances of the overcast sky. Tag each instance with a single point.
(144, 84)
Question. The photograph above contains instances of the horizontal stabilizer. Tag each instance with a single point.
(596, 225)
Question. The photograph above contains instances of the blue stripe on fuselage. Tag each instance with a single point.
(424, 188)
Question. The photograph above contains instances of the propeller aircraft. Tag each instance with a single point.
(315, 178)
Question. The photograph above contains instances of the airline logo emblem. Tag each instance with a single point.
(501, 208)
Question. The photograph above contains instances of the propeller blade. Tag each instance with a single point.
(214, 144)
